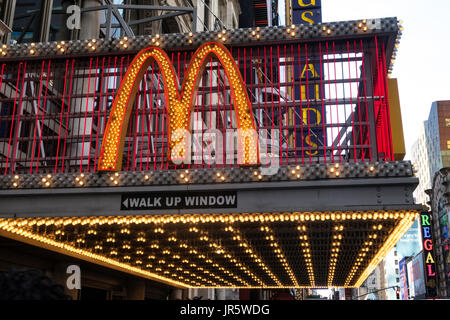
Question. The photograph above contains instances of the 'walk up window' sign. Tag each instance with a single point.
(178, 200)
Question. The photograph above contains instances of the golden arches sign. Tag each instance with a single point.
(179, 104)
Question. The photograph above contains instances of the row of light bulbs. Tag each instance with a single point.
(179, 107)
(201, 256)
(221, 36)
(335, 248)
(222, 251)
(306, 249)
(215, 218)
(279, 253)
(183, 175)
(362, 254)
(203, 280)
(11, 226)
(77, 252)
(238, 237)
(392, 240)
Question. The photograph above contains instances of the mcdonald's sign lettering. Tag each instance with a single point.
(179, 104)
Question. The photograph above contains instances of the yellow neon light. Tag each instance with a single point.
(395, 236)
(178, 103)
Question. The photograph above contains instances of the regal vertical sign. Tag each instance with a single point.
(428, 254)
(308, 72)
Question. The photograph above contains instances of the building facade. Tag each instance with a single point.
(391, 273)
(431, 151)
(43, 21)
(431, 156)
(369, 290)
(439, 203)
(269, 212)
(61, 20)
(419, 156)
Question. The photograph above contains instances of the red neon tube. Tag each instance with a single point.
(78, 118)
(351, 99)
(388, 115)
(18, 118)
(184, 72)
(1, 80)
(143, 118)
(271, 92)
(330, 109)
(37, 112)
(218, 115)
(14, 113)
(279, 105)
(129, 135)
(179, 80)
(286, 105)
(307, 99)
(67, 117)
(166, 107)
(210, 113)
(359, 105)
(156, 121)
(203, 113)
(43, 113)
(107, 90)
(150, 111)
(224, 119)
(301, 104)
(265, 87)
(380, 102)
(365, 99)
(136, 127)
(60, 121)
(98, 116)
(85, 115)
(293, 101)
(323, 104)
(93, 110)
(337, 104)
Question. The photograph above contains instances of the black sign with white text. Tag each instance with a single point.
(178, 200)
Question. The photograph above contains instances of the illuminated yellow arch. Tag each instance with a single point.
(178, 104)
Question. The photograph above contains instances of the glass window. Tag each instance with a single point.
(207, 13)
(58, 31)
(27, 21)
(447, 122)
(2, 9)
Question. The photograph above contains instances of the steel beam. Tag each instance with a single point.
(303, 196)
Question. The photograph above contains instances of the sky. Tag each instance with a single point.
(422, 66)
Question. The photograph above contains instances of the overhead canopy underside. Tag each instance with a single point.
(328, 249)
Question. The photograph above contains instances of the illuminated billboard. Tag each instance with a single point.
(308, 72)
(307, 11)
